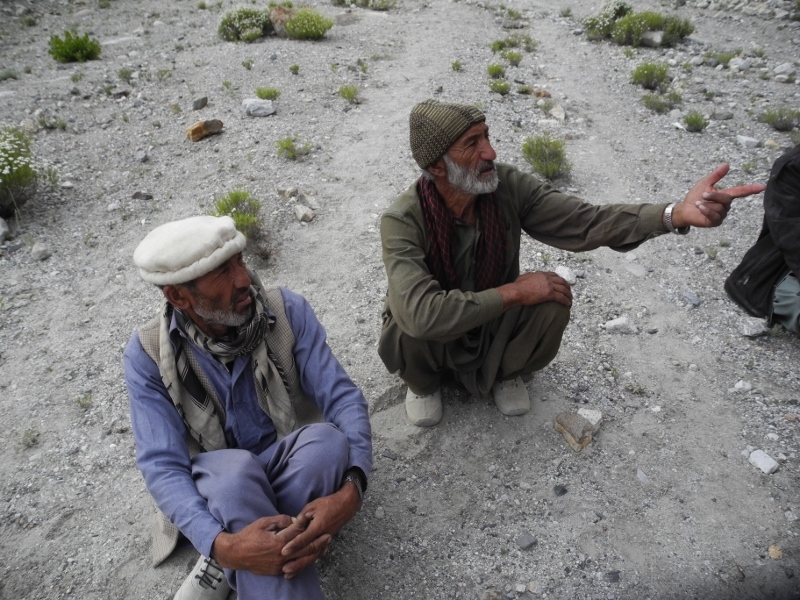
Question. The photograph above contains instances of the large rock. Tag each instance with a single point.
(785, 69)
(203, 129)
(256, 107)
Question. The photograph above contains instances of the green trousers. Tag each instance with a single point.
(786, 303)
(523, 340)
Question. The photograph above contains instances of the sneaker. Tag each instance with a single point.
(511, 397)
(205, 582)
(424, 411)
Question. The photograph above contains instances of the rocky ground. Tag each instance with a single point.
(663, 504)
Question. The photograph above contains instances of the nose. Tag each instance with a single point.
(240, 277)
(487, 152)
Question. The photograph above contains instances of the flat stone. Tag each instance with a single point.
(642, 476)
(200, 103)
(697, 61)
(201, 129)
(746, 142)
(567, 274)
(785, 69)
(303, 213)
(763, 461)
(743, 386)
(526, 541)
(142, 196)
(753, 327)
(576, 430)
(724, 115)
(40, 251)
(621, 325)
(112, 207)
(594, 417)
(255, 107)
(691, 299)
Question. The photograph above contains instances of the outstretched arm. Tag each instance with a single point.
(706, 206)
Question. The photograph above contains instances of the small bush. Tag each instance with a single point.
(288, 148)
(547, 156)
(662, 104)
(515, 41)
(247, 64)
(651, 76)
(695, 122)
(74, 48)
(125, 75)
(514, 15)
(30, 437)
(245, 25)
(513, 57)
(600, 27)
(268, 93)
(781, 119)
(456, 66)
(84, 402)
(496, 71)
(29, 21)
(499, 86)
(349, 93)
(19, 176)
(628, 30)
(242, 208)
(8, 74)
(722, 58)
(308, 24)
(565, 13)
(202, 5)
(294, 69)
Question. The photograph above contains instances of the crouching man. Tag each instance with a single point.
(252, 439)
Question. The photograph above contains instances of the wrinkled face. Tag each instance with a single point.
(470, 162)
(221, 297)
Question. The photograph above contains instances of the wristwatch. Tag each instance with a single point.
(356, 480)
(668, 222)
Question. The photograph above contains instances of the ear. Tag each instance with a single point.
(438, 168)
(178, 295)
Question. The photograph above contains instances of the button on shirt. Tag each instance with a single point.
(160, 434)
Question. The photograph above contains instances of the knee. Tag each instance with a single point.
(324, 443)
(230, 466)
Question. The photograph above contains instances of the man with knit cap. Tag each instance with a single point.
(252, 440)
(457, 304)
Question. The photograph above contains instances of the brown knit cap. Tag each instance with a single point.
(434, 126)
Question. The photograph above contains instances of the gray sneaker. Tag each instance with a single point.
(205, 582)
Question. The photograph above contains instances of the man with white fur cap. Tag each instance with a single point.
(252, 439)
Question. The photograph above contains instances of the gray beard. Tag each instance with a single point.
(468, 180)
(222, 317)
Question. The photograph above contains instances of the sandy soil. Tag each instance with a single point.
(662, 505)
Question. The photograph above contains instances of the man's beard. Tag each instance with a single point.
(218, 316)
(468, 180)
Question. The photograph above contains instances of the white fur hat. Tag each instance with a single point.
(180, 251)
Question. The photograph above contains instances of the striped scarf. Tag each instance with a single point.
(490, 256)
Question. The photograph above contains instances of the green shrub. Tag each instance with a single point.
(84, 402)
(245, 25)
(547, 156)
(379, 5)
(781, 119)
(8, 74)
(695, 122)
(74, 48)
(125, 75)
(242, 208)
(496, 71)
(308, 24)
(29, 21)
(288, 148)
(662, 104)
(514, 15)
(565, 13)
(722, 57)
(30, 437)
(349, 93)
(499, 86)
(600, 26)
(515, 41)
(513, 57)
(267, 93)
(202, 5)
(628, 30)
(651, 76)
(456, 66)
(247, 64)
(675, 29)
(19, 176)
(294, 69)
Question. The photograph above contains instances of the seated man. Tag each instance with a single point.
(765, 283)
(457, 302)
(253, 441)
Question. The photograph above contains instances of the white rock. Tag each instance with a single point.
(739, 64)
(40, 251)
(763, 461)
(753, 327)
(747, 142)
(112, 207)
(773, 436)
(256, 107)
(567, 274)
(743, 385)
(652, 39)
(621, 325)
(595, 417)
(785, 69)
(558, 113)
(642, 476)
(303, 213)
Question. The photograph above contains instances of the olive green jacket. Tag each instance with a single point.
(424, 311)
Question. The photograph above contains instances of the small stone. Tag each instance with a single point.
(142, 196)
(642, 476)
(112, 207)
(5, 230)
(566, 274)
(691, 299)
(256, 107)
(201, 129)
(773, 436)
(739, 64)
(724, 115)
(652, 39)
(526, 541)
(558, 113)
(288, 192)
(389, 454)
(775, 552)
(40, 251)
(791, 417)
(763, 461)
(380, 512)
(595, 417)
(743, 386)
(576, 430)
(559, 490)
(492, 594)
(790, 516)
(303, 213)
(521, 588)
(613, 576)
(200, 103)
(746, 142)
(67, 185)
(652, 330)
(753, 327)
(697, 61)
(785, 69)
(621, 325)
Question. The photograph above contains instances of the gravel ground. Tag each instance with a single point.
(663, 504)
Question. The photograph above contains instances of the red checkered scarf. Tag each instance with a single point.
(490, 259)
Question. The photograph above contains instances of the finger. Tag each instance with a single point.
(319, 547)
(714, 212)
(744, 190)
(273, 523)
(302, 540)
(712, 178)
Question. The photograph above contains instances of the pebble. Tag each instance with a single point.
(526, 541)
(621, 325)
(613, 576)
(743, 386)
(567, 274)
(5, 230)
(595, 417)
(142, 196)
(753, 327)
(142, 156)
(747, 142)
(642, 476)
(112, 207)
(691, 299)
(724, 115)
(380, 512)
(773, 436)
(200, 103)
(256, 107)
(559, 490)
(763, 461)
(40, 251)
(303, 213)
(785, 69)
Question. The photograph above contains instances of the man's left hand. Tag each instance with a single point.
(324, 516)
(706, 206)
